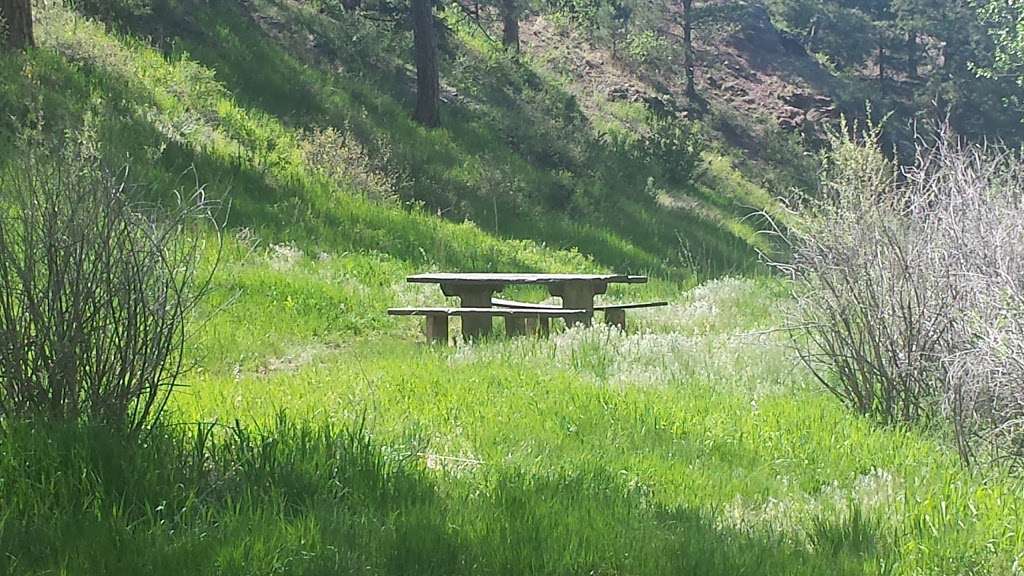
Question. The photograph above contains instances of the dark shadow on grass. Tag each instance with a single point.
(317, 499)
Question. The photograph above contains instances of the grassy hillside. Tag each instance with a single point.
(317, 162)
(240, 104)
(316, 436)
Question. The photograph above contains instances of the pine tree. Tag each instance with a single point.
(16, 31)
(428, 80)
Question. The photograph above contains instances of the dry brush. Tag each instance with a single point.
(909, 288)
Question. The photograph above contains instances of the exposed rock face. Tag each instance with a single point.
(624, 93)
(807, 112)
(735, 89)
(807, 101)
(791, 123)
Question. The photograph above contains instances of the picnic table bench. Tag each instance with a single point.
(517, 321)
(478, 305)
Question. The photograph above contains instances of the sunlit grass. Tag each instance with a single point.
(696, 414)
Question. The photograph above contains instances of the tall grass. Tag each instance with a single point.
(512, 457)
(196, 499)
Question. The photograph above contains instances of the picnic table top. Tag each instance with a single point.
(502, 278)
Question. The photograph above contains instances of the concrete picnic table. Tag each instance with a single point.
(476, 290)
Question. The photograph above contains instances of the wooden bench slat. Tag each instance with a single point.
(599, 307)
(490, 277)
(523, 305)
(418, 311)
(504, 312)
(630, 306)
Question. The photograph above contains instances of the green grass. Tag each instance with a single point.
(318, 436)
(690, 447)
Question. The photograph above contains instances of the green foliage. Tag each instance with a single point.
(847, 37)
(676, 147)
(97, 291)
(647, 48)
(692, 446)
(586, 13)
(193, 499)
(869, 288)
(115, 10)
(628, 27)
(512, 163)
(1006, 27)
(930, 51)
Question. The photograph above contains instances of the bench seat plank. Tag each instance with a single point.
(523, 305)
(517, 321)
(600, 307)
(614, 314)
(504, 312)
(486, 277)
(631, 306)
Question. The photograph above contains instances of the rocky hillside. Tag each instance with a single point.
(764, 96)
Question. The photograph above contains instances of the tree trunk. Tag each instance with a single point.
(881, 64)
(690, 65)
(913, 56)
(428, 80)
(16, 31)
(510, 22)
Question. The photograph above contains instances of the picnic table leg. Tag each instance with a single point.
(436, 329)
(615, 318)
(473, 325)
(515, 326)
(538, 326)
(578, 296)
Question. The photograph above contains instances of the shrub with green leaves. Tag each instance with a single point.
(647, 48)
(676, 147)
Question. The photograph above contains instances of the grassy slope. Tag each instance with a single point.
(691, 446)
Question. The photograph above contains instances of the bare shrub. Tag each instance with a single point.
(909, 288)
(96, 292)
(980, 218)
